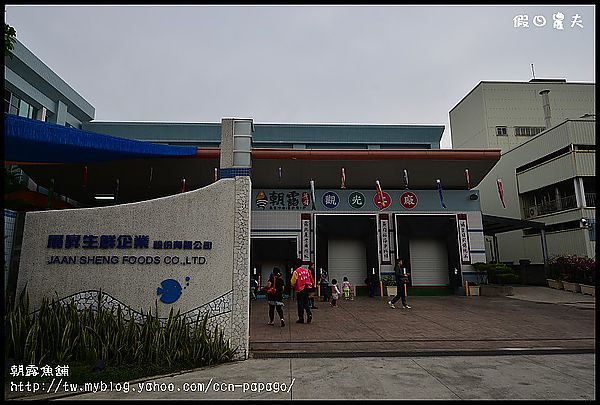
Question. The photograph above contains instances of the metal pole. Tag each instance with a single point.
(544, 250)
(496, 249)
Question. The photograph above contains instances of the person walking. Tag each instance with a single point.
(253, 287)
(301, 282)
(335, 293)
(312, 292)
(275, 288)
(325, 285)
(371, 285)
(401, 280)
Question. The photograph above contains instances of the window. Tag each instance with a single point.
(18, 107)
(501, 131)
(528, 131)
(6, 100)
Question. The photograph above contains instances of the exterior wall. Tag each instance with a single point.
(299, 136)
(569, 242)
(271, 219)
(218, 287)
(512, 104)
(31, 80)
(468, 122)
(570, 165)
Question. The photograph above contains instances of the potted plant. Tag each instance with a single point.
(572, 268)
(390, 285)
(481, 270)
(589, 277)
(553, 275)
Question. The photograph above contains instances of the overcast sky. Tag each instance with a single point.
(299, 64)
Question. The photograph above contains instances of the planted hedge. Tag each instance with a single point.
(60, 333)
(497, 273)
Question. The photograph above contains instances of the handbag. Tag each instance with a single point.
(273, 289)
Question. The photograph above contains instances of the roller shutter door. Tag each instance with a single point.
(428, 262)
(347, 258)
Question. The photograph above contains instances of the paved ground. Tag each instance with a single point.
(367, 326)
(537, 344)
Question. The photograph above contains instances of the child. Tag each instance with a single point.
(346, 288)
(335, 293)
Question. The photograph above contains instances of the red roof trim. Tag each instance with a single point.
(363, 154)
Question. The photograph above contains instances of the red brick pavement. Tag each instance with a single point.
(433, 323)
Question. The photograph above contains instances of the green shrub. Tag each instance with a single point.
(58, 333)
(497, 273)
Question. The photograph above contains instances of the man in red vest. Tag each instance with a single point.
(302, 283)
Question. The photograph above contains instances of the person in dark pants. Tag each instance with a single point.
(324, 285)
(401, 279)
(275, 299)
(301, 281)
(371, 285)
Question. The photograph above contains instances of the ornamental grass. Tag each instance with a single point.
(60, 333)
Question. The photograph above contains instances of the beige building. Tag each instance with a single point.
(502, 115)
(548, 175)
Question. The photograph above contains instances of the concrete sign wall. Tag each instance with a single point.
(189, 252)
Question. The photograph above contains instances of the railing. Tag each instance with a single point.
(551, 206)
(590, 199)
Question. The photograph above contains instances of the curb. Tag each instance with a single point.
(509, 351)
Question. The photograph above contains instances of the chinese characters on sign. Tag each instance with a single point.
(463, 234)
(408, 200)
(88, 241)
(384, 224)
(356, 200)
(305, 237)
(279, 200)
(522, 21)
(121, 242)
(331, 200)
(387, 201)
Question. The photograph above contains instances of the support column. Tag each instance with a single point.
(61, 113)
(579, 194)
(236, 162)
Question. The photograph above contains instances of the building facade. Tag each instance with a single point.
(546, 131)
(313, 194)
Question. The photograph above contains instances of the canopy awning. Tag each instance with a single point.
(493, 225)
(32, 141)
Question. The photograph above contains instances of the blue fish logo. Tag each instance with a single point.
(170, 291)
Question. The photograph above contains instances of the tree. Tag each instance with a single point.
(10, 36)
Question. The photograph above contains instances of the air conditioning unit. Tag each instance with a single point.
(533, 211)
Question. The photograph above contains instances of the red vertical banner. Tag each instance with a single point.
(305, 237)
(384, 234)
(463, 239)
(501, 191)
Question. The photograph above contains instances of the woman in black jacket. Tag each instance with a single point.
(275, 299)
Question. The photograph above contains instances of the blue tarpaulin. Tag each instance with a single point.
(27, 140)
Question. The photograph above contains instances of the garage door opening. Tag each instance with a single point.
(268, 253)
(346, 246)
(429, 243)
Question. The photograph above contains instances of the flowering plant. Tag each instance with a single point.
(573, 269)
